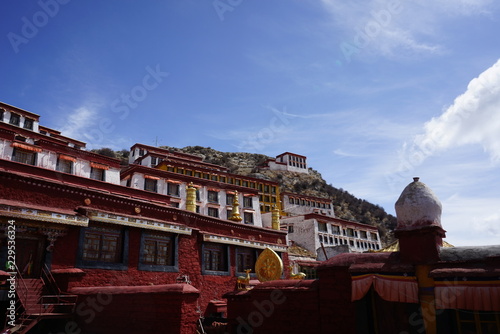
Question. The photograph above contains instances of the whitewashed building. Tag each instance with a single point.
(287, 161)
(24, 140)
(313, 231)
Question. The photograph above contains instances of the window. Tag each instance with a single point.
(173, 189)
(180, 170)
(157, 252)
(229, 199)
(363, 235)
(478, 322)
(237, 182)
(197, 174)
(189, 172)
(14, 119)
(245, 183)
(245, 259)
(198, 195)
(151, 185)
(223, 179)
(273, 189)
(214, 177)
(213, 212)
(350, 232)
(206, 176)
(141, 152)
(23, 156)
(373, 236)
(2, 112)
(273, 199)
(213, 196)
(175, 204)
(64, 166)
(266, 188)
(103, 247)
(290, 228)
(322, 227)
(335, 229)
(248, 218)
(290, 200)
(154, 161)
(215, 259)
(248, 202)
(97, 174)
(320, 238)
(170, 169)
(28, 123)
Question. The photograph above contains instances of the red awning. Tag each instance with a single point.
(468, 295)
(99, 166)
(151, 177)
(174, 181)
(403, 289)
(67, 157)
(26, 147)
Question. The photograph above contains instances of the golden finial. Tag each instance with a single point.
(275, 218)
(191, 198)
(235, 214)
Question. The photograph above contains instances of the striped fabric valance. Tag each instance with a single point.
(403, 289)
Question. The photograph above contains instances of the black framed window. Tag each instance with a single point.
(28, 123)
(173, 189)
(248, 218)
(322, 227)
(2, 113)
(103, 247)
(229, 199)
(158, 252)
(24, 156)
(248, 202)
(245, 259)
(97, 174)
(213, 196)
(215, 259)
(64, 166)
(151, 185)
(14, 119)
(213, 212)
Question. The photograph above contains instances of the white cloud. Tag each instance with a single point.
(473, 118)
(398, 28)
(471, 221)
(78, 121)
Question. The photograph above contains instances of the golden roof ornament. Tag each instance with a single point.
(235, 214)
(268, 266)
(191, 198)
(275, 218)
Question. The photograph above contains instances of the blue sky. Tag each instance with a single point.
(372, 92)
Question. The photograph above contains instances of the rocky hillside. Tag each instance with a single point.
(347, 206)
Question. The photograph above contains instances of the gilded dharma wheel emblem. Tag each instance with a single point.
(268, 266)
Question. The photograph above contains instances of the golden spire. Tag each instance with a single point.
(191, 198)
(235, 214)
(275, 218)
